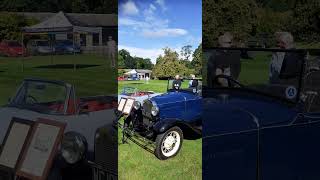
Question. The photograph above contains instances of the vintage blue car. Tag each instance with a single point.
(166, 119)
(255, 128)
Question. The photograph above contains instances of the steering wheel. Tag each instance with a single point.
(33, 99)
(231, 82)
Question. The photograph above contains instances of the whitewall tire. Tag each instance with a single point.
(168, 144)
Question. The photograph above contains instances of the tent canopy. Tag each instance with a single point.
(59, 23)
(133, 71)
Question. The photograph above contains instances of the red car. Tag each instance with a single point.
(11, 48)
(121, 78)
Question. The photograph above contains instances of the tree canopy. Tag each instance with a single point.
(126, 61)
(75, 6)
(245, 18)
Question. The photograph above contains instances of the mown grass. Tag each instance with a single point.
(92, 77)
(137, 163)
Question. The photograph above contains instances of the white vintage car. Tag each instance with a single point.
(90, 137)
(138, 95)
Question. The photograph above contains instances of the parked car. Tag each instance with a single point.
(165, 120)
(121, 78)
(90, 137)
(138, 95)
(11, 48)
(133, 77)
(256, 129)
(66, 47)
(40, 47)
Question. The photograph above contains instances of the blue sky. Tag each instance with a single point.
(147, 26)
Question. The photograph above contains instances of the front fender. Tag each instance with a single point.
(188, 131)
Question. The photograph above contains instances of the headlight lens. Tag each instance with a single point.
(136, 105)
(154, 110)
(73, 147)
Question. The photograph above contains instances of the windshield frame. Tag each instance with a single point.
(169, 89)
(245, 88)
(66, 86)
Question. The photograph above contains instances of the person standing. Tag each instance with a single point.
(224, 62)
(193, 82)
(112, 48)
(176, 84)
(284, 65)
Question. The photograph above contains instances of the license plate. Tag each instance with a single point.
(99, 174)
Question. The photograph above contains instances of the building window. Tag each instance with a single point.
(83, 40)
(95, 39)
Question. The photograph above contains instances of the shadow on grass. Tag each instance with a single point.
(136, 83)
(1, 71)
(66, 66)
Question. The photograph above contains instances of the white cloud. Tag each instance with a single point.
(150, 10)
(153, 54)
(132, 22)
(129, 8)
(162, 4)
(166, 32)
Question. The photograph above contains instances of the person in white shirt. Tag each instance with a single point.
(284, 41)
(112, 48)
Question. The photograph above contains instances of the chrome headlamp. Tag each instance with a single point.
(136, 105)
(73, 147)
(154, 110)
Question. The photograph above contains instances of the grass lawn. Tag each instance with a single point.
(93, 75)
(137, 163)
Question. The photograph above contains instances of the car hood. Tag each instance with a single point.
(85, 124)
(167, 98)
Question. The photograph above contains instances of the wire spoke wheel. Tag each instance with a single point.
(171, 143)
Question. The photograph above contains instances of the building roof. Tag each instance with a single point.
(78, 19)
(134, 71)
(143, 71)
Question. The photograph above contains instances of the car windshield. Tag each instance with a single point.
(14, 44)
(42, 43)
(275, 73)
(43, 97)
(192, 85)
(129, 91)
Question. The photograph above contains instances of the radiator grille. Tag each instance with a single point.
(147, 105)
(106, 149)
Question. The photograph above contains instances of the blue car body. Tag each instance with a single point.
(252, 136)
(180, 106)
(66, 46)
(256, 134)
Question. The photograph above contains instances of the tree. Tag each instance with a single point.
(305, 25)
(186, 52)
(169, 65)
(143, 63)
(121, 64)
(79, 6)
(129, 61)
(220, 16)
(197, 60)
(11, 24)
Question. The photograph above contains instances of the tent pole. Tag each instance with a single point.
(51, 44)
(22, 58)
(74, 53)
